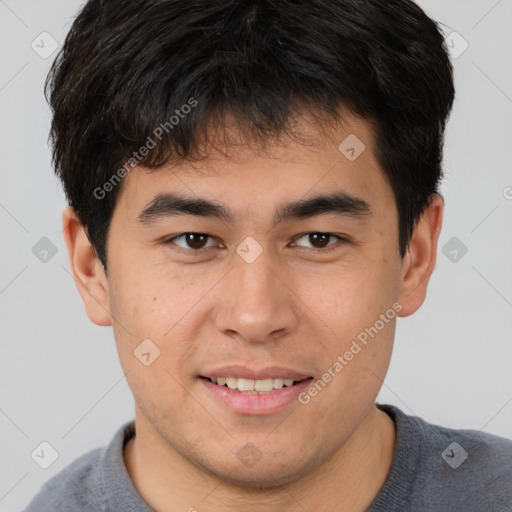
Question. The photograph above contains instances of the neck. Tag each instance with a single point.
(349, 481)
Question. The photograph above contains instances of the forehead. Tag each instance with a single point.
(250, 177)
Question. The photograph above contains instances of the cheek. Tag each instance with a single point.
(149, 301)
(150, 341)
(355, 296)
(359, 304)
(162, 306)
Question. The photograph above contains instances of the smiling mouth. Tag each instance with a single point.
(251, 386)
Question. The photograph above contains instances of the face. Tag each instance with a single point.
(263, 285)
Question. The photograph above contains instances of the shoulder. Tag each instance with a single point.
(455, 469)
(70, 489)
(97, 480)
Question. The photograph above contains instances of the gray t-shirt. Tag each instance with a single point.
(434, 469)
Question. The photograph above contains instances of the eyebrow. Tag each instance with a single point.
(339, 203)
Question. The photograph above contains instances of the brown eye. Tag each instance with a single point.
(191, 241)
(318, 240)
(196, 240)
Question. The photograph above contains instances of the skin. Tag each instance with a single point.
(293, 306)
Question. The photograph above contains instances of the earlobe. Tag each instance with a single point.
(86, 269)
(420, 259)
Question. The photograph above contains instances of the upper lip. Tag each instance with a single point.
(244, 372)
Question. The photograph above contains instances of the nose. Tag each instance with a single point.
(256, 303)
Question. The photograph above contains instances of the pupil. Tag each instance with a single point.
(197, 240)
(319, 237)
(192, 240)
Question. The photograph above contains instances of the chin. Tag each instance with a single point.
(263, 471)
(262, 478)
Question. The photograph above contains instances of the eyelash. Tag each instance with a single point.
(327, 249)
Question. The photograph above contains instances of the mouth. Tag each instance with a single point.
(253, 386)
(255, 397)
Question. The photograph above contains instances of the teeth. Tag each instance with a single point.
(278, 383)
(231, 382)
(245, 385)
(252, 386)
(263, 385)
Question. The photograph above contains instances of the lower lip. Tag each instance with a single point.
(255, 403)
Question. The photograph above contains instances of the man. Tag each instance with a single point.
(253, 191)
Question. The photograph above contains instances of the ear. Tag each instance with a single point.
(87, 269)
(420, 259)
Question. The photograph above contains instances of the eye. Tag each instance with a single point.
(191, 241)
(319, 240)
(195, 242)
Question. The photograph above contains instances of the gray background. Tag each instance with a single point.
(60, 379)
